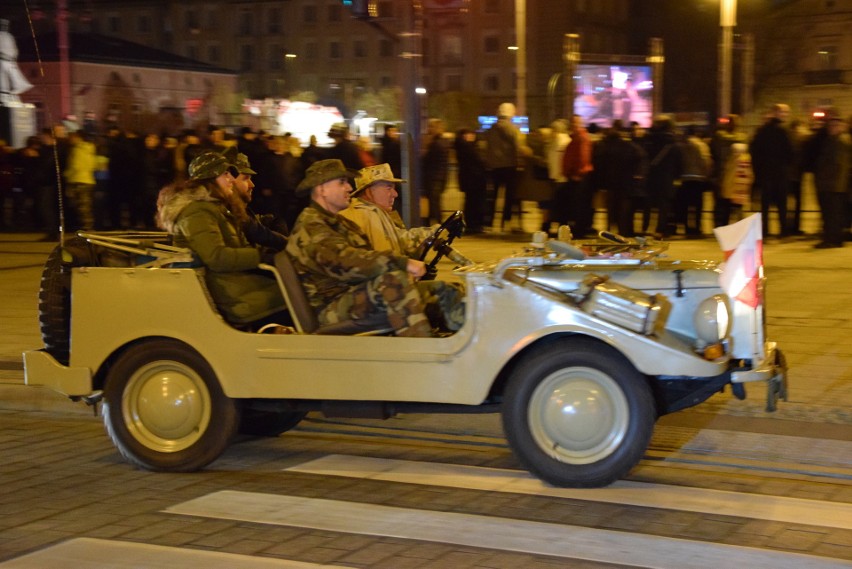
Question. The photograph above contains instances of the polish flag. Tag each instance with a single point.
(742, 243)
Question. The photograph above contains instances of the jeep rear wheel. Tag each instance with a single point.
(576, 413)
(164, 409)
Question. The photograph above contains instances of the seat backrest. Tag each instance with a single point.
(301, 310)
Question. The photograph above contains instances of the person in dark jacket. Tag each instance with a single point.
(472, 179)
(664, 167)
(772, 157)
(619, 166)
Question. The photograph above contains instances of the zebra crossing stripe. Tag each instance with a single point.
(680, 498)
(106, 554)
(537, 538)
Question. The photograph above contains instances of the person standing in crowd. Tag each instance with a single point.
(365, 151)
(728, 134)
(345, 278)
(436, 165)
(206, 215)
(697, 165)
(28, 179)
(575, 200)
(49, 184)
(831, 178)
(472, 179)
(156, 163)
(502, 156)
(391, 148)
(772, 156)
(618, 166)
(80, 177)
(344, 149)
(799, 136)
(559, 140)
(665, 165)
(534, 184)
(736, 182)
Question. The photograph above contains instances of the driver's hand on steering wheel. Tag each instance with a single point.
(416, 268)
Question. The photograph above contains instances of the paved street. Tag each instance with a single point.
(723, 484)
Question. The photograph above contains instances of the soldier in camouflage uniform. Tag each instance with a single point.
(343, 276)
(371, 208)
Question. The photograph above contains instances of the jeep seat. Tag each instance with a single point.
(304, 316)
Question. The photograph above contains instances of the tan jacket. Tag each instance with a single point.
(385, 231)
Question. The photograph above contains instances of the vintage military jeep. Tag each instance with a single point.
(579, 345)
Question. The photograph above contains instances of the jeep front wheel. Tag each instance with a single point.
(165, 410)
(577, 413)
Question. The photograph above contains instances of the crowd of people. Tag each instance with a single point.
(650, 180)
(655, 180)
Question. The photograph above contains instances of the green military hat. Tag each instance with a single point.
(238, 159)
(321, 172)
(208, 165)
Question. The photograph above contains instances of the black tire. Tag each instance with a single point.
(258, 423)
(577, 414)
(54, 306)
(165, 410)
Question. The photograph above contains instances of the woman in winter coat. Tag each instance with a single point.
(204, 214)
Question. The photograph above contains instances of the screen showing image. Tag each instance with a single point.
(604, 93)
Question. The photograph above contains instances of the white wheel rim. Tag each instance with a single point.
(166, 406)
(578, 415)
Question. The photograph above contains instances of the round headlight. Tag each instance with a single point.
(712, 319)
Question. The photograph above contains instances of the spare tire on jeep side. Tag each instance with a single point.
(54, 296)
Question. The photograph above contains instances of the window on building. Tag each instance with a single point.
(827, 57)
(385, 48)
(214, 53)
(385, 9)
(491, 44)
(335, 12)
(454, 82)
(386, 81)
(311, 50)
(273, 21)
(246, 25)
(246, 57)
(211, 19)
(360, 48)
(191, 20)
(491, 83)
(309, 14)
(275, 57)
(113, 24)
(491, 6)
(191, 51)
(335, 50)
(451, 48)
(143, 24)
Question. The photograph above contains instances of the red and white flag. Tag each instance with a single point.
(742, 243)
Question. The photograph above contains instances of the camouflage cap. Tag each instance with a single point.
(371, 174)
(208, 165)
(238, 159)
(321, 172)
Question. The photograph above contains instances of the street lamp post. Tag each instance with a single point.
(727, 21)
(521, 57)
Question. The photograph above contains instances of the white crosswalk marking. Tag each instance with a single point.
(754, 506)
(565, 541)
(103, 554)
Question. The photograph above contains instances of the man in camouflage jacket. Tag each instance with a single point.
(343, 276)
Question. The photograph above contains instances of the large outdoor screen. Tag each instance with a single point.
(604, 93)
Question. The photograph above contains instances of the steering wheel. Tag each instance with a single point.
(614, 237)
(453, 226)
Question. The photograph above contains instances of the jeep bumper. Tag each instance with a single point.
(772, 370)
(42, 369)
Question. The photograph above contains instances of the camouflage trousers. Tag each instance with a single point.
(81, 197)
(408, 305)
(392, 292)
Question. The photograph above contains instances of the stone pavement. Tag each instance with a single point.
(62, 479)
